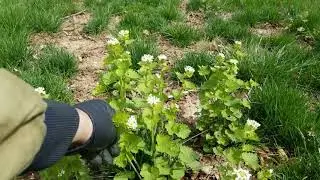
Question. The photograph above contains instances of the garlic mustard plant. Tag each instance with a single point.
(151, 138)
(223, 99)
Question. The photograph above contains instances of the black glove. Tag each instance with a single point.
(102, 146)
(62, 123)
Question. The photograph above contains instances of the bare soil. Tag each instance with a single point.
(88, 50)
(267, 29)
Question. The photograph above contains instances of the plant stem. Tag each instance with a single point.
(195, 136)
(134, 168)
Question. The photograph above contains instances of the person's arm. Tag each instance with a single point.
(35, 134)
(22, 128)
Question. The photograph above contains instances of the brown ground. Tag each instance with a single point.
(267, 29)
(88, 50)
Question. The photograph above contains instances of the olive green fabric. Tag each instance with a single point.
(22, 127)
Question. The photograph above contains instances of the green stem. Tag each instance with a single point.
(132, 165)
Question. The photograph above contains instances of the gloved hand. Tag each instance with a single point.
(62, 122)
(102, 146)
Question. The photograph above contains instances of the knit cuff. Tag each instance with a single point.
(62, 123)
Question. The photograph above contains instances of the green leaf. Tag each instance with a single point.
(149, 119)
(131, 142)
(148, 172)
(121, 160)
(188, 85)
(248, 147)
(251, 160)
(181, 130)
(177, 174)
(189, 157)
(265, 174)
(204, 70)
(120, 119)
(163, 166)
(124, 175)
(233, 155)
(166, 145)
(132, 74)
(108, 78)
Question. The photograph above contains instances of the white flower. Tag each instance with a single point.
(162, 57)
(123, 33)
(170, 96)
(147, 58)
(146, 32)
(239, 43)
(40, 90)
(301, 29)
(242, 174)
(158, 75)
(271, 171)
(61, 173)
(189, 69)
(185, 92)
(128, 52)
(153, 99)
(234, 61)
(221, 55)
(253, 123)
(112, 41)
(115, 93)
(132, 123)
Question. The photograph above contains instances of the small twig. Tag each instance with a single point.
(78, 13)
(195, 136)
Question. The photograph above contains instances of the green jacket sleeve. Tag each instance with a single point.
(22, 127)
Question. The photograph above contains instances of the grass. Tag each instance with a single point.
(286, 65)
(140, 47)
(194, 59)
(217, 27)
(57, 61)
(285, 116)
(181, 35)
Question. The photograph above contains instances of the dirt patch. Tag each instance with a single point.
(88, 50)
(195, 19)
(267, 29)
(203, 45)
(172, 52)
(189, 108)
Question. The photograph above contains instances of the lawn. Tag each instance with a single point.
(280, 50)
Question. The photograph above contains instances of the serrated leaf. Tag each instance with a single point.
(204, 70)
(108, 78)
(166, 145)
(120, 118)
(131, 142)
(189, 157)
(130, 73)
(181, 130)
(121, 160)
(188, 85)
(148, 172)
(233, 155)
(124, 175)
(163, 166)
(177, 174)
(251, 160)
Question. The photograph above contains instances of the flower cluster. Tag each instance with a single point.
(132, 123)
(147, 58)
